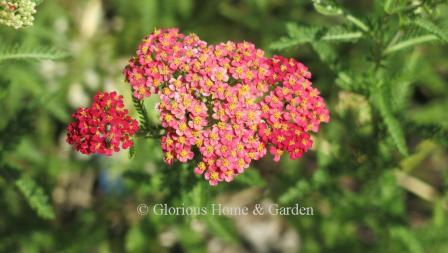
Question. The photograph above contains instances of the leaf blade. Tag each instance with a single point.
(28, 53)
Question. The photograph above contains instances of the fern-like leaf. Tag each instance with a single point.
(432, 28)
(284, 43)
(303, 34)
(147, 128)
(30, 53)
(143, 115)
(410, 42)
(382, 102)
(297, 35)
(32, 192)
(36, 197)
(402, 81)
(339, 33)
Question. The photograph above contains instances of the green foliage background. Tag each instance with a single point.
(377, 176)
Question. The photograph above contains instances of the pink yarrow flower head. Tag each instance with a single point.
(103, 128)
(227, 101)
(291, 109)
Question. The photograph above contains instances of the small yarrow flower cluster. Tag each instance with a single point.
(17, 13)
(225, 105)
(103, 128)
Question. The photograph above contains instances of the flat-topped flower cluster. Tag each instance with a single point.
(17, 13)
(103, 128)
(225, 104)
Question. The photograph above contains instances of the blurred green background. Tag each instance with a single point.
(377, 176)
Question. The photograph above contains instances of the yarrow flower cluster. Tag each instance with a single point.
(17, 13)
(291, 109)
(103, 128)
(225, 104)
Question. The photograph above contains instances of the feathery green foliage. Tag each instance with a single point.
(29, 53)
(145, 123)
(31, 191)
(36, 197)
(301, 34)
(433, 28)
(380, 96)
